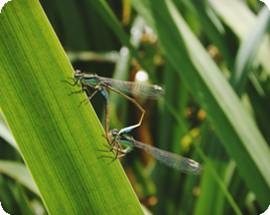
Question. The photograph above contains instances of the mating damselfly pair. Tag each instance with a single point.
(120, 142)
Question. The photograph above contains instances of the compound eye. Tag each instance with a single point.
(114, 132)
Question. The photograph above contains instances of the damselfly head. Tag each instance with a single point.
(78, 74)
(114, 132)
(90, 78)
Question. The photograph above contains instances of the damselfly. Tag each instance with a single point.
(103, 85)
(173, 160)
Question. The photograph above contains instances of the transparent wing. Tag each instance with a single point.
(175, 161)
(134, 88)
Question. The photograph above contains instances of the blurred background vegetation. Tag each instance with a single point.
(97, 39)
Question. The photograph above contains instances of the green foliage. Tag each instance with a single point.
(212, 58)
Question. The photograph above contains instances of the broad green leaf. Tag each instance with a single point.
(60, 140)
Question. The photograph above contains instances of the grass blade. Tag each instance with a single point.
(19, 173)
(58, 139)
(241, 23)
(248, 50)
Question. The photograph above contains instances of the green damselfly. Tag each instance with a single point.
(103, 85)
(173, 160)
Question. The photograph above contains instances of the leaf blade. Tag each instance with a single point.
(58, 140)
